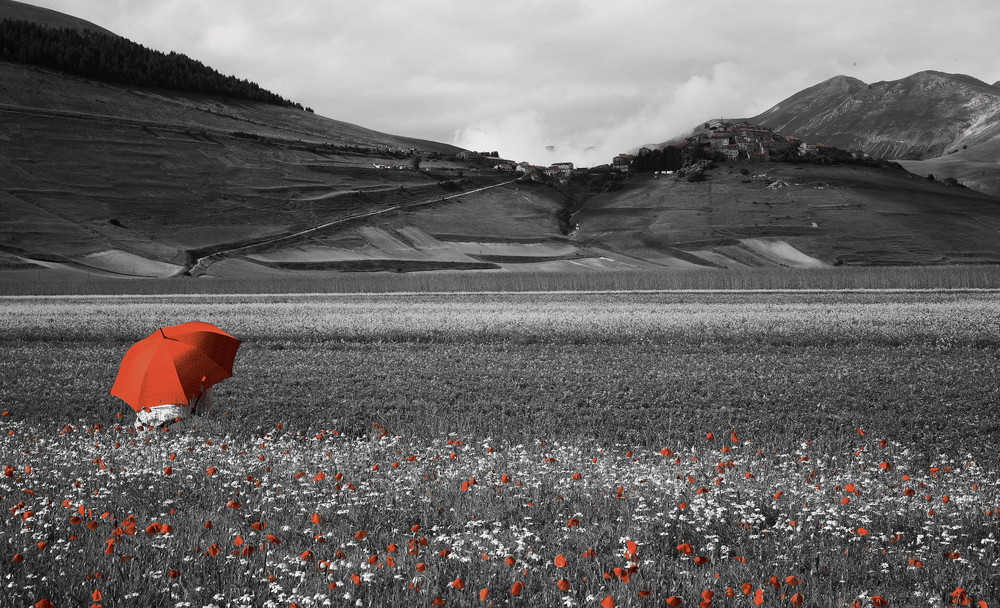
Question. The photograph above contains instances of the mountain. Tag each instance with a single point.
(918, 117)
(931, 122)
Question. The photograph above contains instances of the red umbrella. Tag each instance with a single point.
(175, 364)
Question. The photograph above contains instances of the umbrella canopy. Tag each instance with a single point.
(175, 364)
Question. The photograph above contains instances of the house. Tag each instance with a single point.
(622, 162)
(807, 149)
(731, 151)
(505, 166)
(776, 147)
(563, 168)
(720, 140)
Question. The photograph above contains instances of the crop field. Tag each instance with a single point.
(600, 449)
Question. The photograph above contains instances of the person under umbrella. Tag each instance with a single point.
(169, 375)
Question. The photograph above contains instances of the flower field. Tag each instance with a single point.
(512, 450)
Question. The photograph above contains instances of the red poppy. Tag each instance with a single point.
(517, 588)
(562, 584)
(796, 599)
(673, 601)
(608, 602)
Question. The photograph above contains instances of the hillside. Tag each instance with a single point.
(793, 215)
(977, 167)
(20, 11)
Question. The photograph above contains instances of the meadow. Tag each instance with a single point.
(546, 449)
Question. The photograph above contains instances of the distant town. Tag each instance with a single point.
(718, 140)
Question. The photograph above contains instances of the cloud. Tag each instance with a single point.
(531, 135)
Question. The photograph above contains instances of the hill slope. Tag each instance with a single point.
(794, 215)
(11, 9)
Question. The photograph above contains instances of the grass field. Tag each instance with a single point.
(870, 278)
(811, 449)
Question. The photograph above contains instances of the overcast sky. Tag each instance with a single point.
(553, 80)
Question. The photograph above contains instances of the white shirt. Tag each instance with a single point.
(165, 414)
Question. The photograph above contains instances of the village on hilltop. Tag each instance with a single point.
(738, 141)
(717, 140)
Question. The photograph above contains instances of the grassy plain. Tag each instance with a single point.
(958, 277)
(853, 451)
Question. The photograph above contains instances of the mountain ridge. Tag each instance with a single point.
(921, 116)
